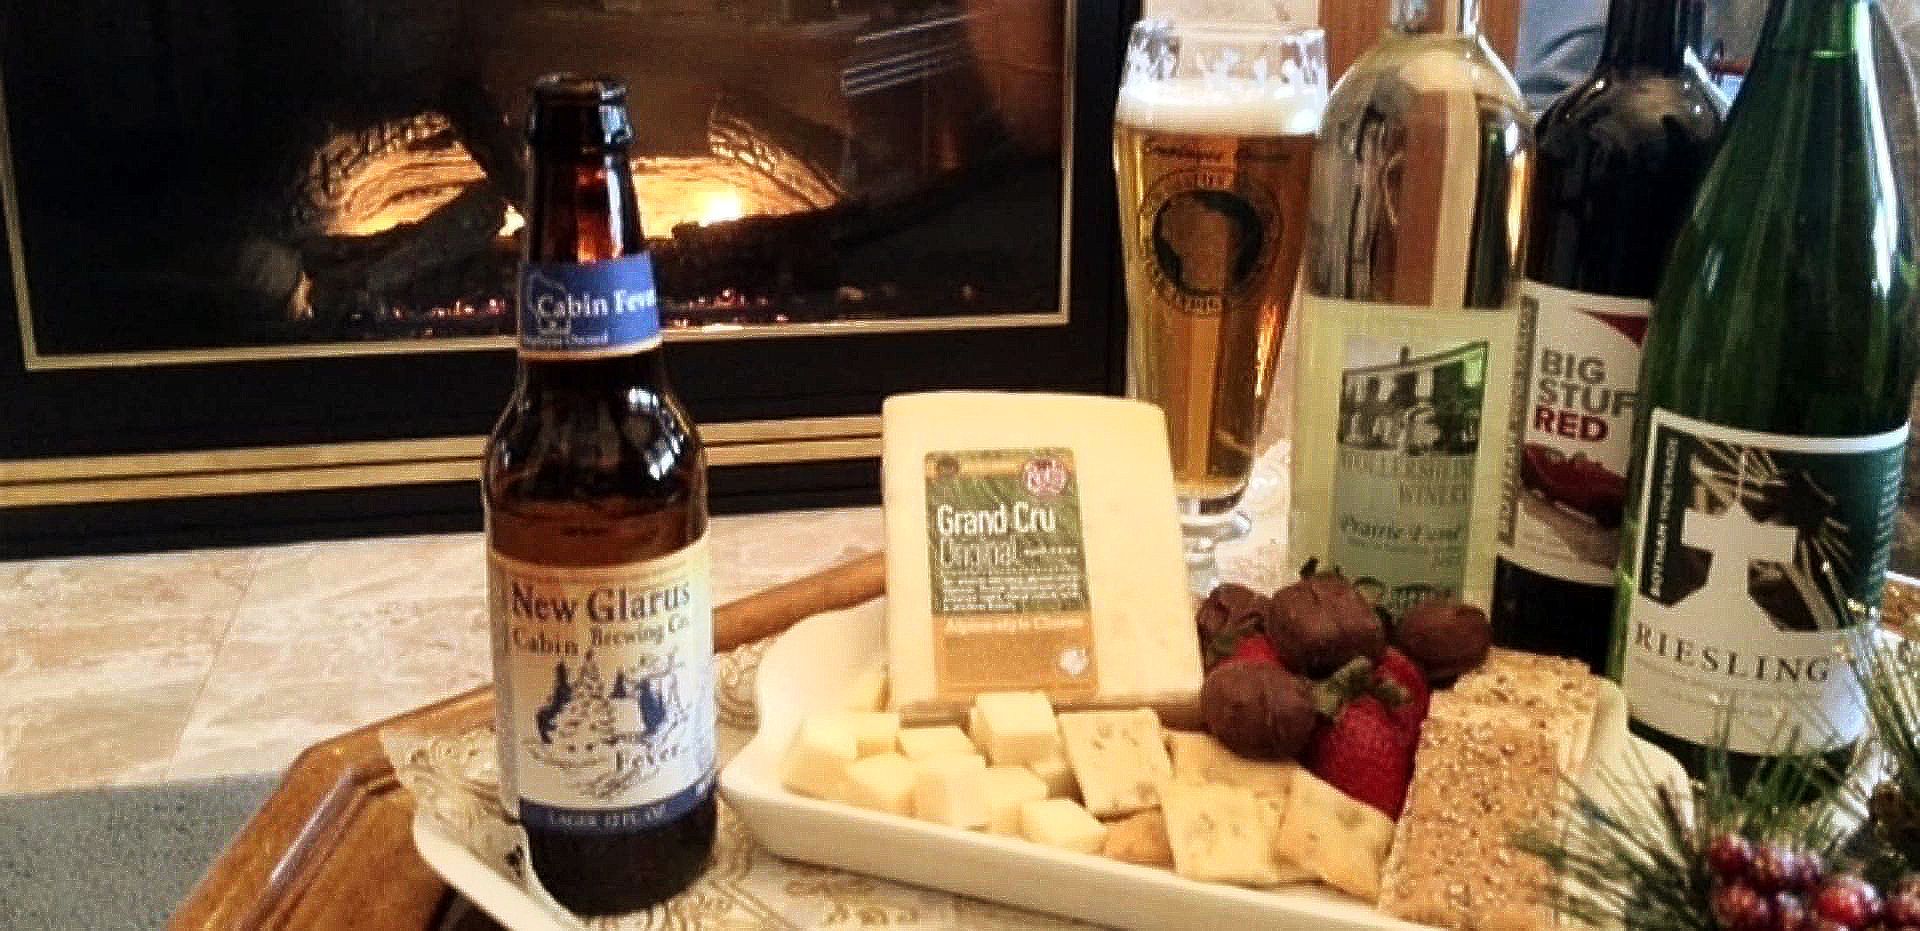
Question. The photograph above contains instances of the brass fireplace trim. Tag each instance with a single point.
(276, 469)
(35, 361)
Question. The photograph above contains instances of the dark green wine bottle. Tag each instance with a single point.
(1773, 411)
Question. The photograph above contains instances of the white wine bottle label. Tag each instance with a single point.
(1399, 445)
(604, 693)
(1579, 377)
(1754, 555)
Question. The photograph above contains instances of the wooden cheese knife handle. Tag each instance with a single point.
(333, 846)
(757, 617)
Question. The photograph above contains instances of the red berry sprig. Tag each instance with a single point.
(1778, 887)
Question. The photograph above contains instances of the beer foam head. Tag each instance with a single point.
(1213, 107)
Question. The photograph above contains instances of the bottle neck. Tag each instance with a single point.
(581, 207)
(1651, 34)
(546, 376)
(1435, 17)
(1797, 27)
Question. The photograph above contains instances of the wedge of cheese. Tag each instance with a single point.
(1031, 546)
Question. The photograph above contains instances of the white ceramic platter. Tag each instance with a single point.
(811, 666)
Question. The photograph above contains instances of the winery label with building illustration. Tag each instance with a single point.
(1578, 382)
(1757, 552)
(604, 695)
(1008, 567)
(1409, 435)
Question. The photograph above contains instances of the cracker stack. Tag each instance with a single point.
(1556, 696)
(1478, 781)
(1490, 765)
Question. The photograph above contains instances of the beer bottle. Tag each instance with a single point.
(598, 582)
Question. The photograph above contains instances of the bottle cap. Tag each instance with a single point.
(579, 110)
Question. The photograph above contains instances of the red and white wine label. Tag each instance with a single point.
(1579, 378)
(603, 690)
(1754, 555)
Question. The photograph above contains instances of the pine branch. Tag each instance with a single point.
(1633, 853)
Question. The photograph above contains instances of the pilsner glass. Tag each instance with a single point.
(1213, 143)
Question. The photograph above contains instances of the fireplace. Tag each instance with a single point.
(346, 172)
(262, 254)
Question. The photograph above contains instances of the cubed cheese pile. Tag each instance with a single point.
(1010, 772)
(1098, 782)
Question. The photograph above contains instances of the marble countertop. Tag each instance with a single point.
(129, 669)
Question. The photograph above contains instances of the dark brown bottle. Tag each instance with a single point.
(596, 495)
(1620, 158)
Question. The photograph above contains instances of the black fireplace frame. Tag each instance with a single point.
(115, 458)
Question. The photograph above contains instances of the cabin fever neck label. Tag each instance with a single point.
(1579, 381)
(1756, 554)
(1009, 572)
(604, 703)
(571, 309)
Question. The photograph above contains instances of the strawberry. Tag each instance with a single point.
(1363, 752)
(1254, 648)
(1397, 669)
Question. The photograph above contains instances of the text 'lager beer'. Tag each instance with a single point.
(596, 498)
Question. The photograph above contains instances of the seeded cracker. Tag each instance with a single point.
(1477, 783)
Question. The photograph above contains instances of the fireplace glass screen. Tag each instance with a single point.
(217, 178)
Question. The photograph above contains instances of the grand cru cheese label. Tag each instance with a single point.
(1403, 418)
(1579, 378)
(1757, 553)
(1008, 567)
(603, 690)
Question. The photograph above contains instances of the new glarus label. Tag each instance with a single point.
(602, 689)
(1755, 556)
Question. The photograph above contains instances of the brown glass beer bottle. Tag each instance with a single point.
(598, 582)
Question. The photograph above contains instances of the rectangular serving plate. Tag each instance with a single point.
(810, 668)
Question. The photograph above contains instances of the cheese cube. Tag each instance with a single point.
(868, 691)
(952, 790)
(1107, 594)
(1199, 758)
(882, 783)
(1015, 728)
(1342, 841)
(1058, 822)
(873, 731)
(1220, 833)
(817, 762)
(1058, 776)
(926, 743)
(1118, 759)
(1008, 787)
(1140, 838)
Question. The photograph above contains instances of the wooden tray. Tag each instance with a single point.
(333, 846)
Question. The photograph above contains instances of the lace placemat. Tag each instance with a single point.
(453, 778)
